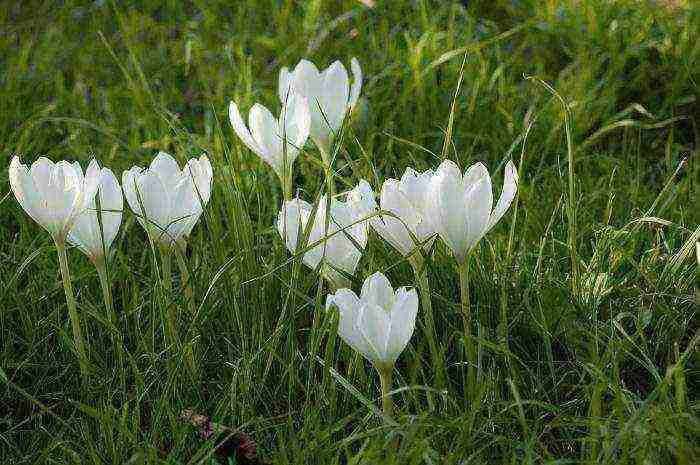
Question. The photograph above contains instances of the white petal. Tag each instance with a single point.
(167, 168)
(285, 84)
(349, 310)
(374, 323)
(377, 290)
(86, 233)
(242, 131)
(22, 186)
(478, 199)
(297, 119)
(265, 132)
(446, 206)
(200, 171)
(510, 187)
(334, 102)
(151, 202)
(292, 220)
(361, 200)
(403, 321)
(306, 80)
(112, 204)
(356, 81)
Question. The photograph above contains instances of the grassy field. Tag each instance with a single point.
(586, 293)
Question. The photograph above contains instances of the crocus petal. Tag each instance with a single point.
(86, 233)
(510, 187)
(167, 169)
(292, 221)
(335, 96)
(348, 310)
(377, 290)
(112, 204)
(22, 186)
(446, 197)
(403, 320)
(306, 80)
(374, 324)
(285, 84)
(266, 133)
(478, 199)
(356, 81)
(242, 130)
(200, 171)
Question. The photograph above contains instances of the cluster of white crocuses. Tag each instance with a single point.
(85, 210)
(331, 234)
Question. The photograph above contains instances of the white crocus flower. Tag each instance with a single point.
(347, 233)
(461, 207)
(276, 141)
(168, 201)
(407, 200)
(330, 97)
(380, 322)
(378, 325)
(54, 194)
(87, 234)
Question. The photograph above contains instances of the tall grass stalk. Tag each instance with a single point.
(420, 272)
(467, 322)
(117, 339)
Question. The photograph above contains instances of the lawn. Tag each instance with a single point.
(582, 340)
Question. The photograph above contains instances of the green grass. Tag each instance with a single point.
(573, 372)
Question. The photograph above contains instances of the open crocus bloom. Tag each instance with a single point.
(461, 206)
(380, 322)
(407, 199)
(168, 201)
(54, 194)
(86, 233)
(274, 139)
(347, 233)
(329, 94)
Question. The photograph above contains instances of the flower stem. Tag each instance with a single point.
(466, 318)
(166, 279)
(185, 274)
(72, 307)
(101, 266)
(420, 272)
(189, 294)
(385, 382)
(287, 186)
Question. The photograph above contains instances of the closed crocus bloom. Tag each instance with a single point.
(329, 94)
(407, 200)
(167, 200)
(461, 207)
(274, 139)
(86, 234)
(54, 194)
(380, 322)
(346, 232)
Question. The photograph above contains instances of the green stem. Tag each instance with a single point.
(385, 371)
(185, 275)
(72, 307)
(189, 294)
(287, 186)
(101, 266)
(166, 257)
(466, 319)
(420, 272)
